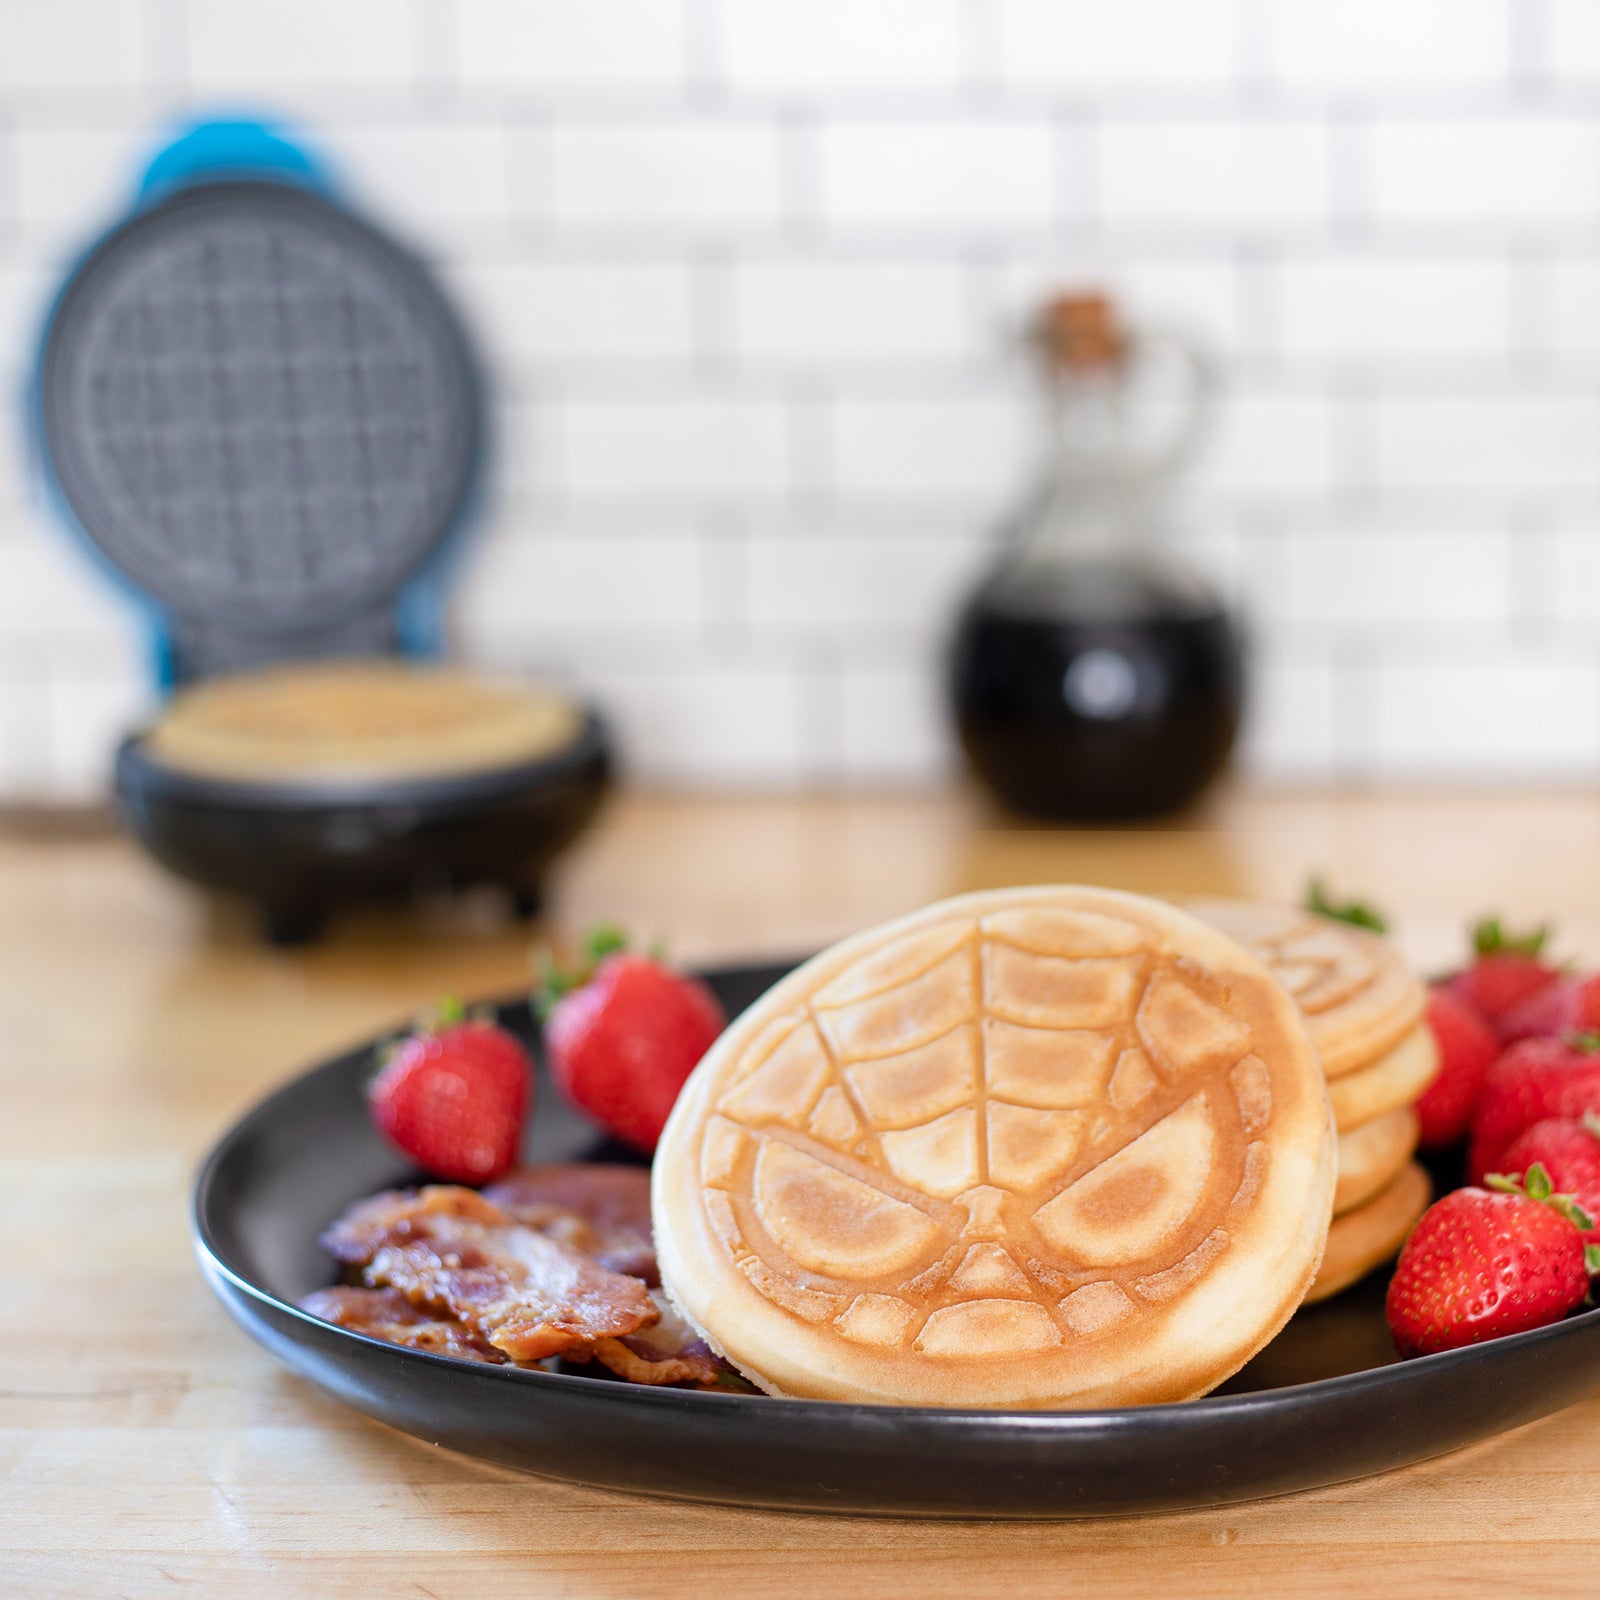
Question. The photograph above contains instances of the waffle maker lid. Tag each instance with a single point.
(260, 411)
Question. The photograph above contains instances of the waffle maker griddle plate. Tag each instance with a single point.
(261, 414)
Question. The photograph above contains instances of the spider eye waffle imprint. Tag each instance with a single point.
(1052, 1147)
(1364, 1009)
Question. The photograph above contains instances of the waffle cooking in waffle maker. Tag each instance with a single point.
(261, 413)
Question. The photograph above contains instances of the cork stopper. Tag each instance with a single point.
(1081, 333)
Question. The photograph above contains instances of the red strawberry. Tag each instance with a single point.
(1535, 1079)
(1569, 1150)
(621, 1044)
(1569, 1005)
(1507, 970)
(453, 1097)
(1468, 1047)
(1479, 1265)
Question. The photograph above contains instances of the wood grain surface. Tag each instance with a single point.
(147, 1447)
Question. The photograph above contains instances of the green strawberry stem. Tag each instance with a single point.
(1355, 912)
(553, 980)
(1586, 1042)
(1491, 938)
(1535, 1184)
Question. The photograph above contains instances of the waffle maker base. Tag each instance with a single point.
(300, 853)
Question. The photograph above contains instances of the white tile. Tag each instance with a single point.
(813, 315)
(1573, 592)
(1197, 296)
(661, 178)
(27, 289)
(1214, 172)
(1269, 442)
(1569, 296)
(1510, 443)
(73, 183)
(893, 725)
(236, 48)
(49, 588)
(820, 46)
(1290, 723)
(91, 709)
(891, 176)
(1569, 33)
(1375, 309)
(549, 585)
(695, 444)
(429, 180)
(729, 722)
(1397, 576)
(70, 44)
(977, 450)
(578, 311)
(1137, 44)
(557, 45)
(860, 585)
(1499, 171)
(1384, 44)
(1481, 712)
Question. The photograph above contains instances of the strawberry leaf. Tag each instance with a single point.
(604, 941)
(1535, 1185)
(1585, 1042)
(1491, 938)
(1537, 1182)
(1501, 1183)
(1355, 912)
(1591, 1259)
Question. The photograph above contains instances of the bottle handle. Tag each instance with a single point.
(1164, 457)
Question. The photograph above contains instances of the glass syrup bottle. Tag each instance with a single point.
(1093, 676)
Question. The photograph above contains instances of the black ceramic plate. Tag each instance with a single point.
(1325, 1402)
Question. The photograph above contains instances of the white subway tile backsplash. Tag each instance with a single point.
(1213, 174)
(554, 45)
(262, 49)
(695, 445)
(821, 47)
(1509, 443)
(940, 175)
(50, 45)
(561, 584)
(1102, 49)
(1373, 310)
(662, 178)
(859, 584)
(1368, 46)
(1375, 580)
(431, 182)
(892, 723)
(1271, 443)
(976, 450)
(1503, 172)
(1569, 33)
(579, 312)
(1291, 729)
(726, 719)
(1483, 712)
(752, 279)
(807, 314)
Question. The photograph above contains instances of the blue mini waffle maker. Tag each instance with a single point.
(263, 418)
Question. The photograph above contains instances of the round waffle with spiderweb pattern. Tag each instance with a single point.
(1027, 1148)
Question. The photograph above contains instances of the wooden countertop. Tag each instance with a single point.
(147, 1445)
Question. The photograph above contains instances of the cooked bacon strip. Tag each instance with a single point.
(669, 1351)
(601, 1211)
(387, 1314)
(448, 1249)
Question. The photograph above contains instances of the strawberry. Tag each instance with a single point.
(1505, 971)
(623, 1038)
(1483, 1263)
(1534, 1079)
(453, 1095)
(1468, 1047)
(1569, 1005)
(1569, 1150)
